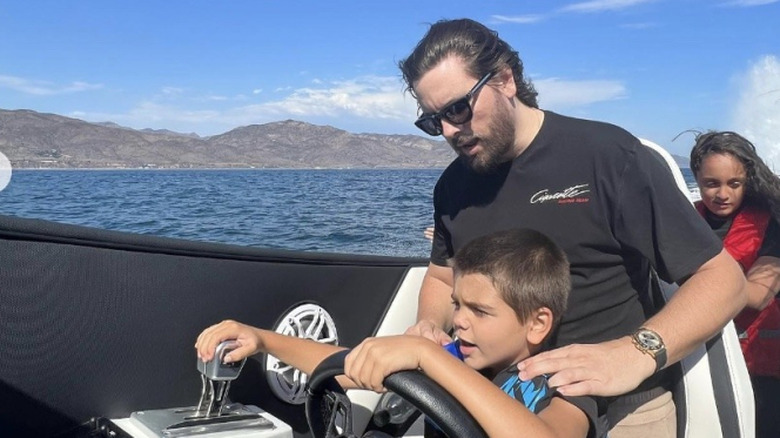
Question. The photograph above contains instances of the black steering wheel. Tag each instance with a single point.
(325, 399)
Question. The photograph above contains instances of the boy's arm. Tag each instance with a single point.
(303, 354)
(497, 413)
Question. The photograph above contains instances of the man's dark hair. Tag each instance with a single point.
(762, 187)
(479, 47)
(527, 268)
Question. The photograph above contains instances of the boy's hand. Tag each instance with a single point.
(248, 338)
(376, 358)
(606, 369)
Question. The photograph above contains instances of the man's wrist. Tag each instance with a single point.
(638, 360)
(651, 344)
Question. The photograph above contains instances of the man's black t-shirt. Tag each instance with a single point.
(607, 200)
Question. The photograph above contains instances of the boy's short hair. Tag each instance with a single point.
(527, 268)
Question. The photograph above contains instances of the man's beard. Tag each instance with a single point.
(496, 146)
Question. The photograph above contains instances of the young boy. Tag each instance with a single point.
(510, 289)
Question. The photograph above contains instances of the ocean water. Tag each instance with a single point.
(345, 211)
(379, 212)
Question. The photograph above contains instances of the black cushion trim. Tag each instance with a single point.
(722, 387)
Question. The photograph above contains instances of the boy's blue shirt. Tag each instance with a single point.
(535, 394)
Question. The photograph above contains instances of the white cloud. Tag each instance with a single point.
(150, 114)
(368, 98)
(757, 112)
(520, 19)
(371, 97)
(216, 98)
(78, 86)
(584, 7)
(638, 26)
(172, 90)
(377, 101)
(154, 112)
(257, 91)
(749, 3)
(556, 93)
(43, 88)
(602, 5)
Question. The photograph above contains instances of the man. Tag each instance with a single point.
(598, 193)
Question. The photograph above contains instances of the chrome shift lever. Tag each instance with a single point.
(214, 415)
(215, 379)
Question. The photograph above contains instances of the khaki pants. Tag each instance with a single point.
(656, 418)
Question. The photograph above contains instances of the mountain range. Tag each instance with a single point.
(37, 140)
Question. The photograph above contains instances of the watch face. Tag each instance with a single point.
(648, 340)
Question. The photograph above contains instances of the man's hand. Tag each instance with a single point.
(434, 308)
(429, 330)
(606, 369)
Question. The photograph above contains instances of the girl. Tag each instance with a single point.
(741, 203)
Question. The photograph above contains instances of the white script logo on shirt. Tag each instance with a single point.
(571, 195)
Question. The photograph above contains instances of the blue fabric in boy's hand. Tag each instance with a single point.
(454, 349)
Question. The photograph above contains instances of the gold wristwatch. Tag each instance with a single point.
(650, 342)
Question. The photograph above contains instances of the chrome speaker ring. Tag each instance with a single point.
(307, 321)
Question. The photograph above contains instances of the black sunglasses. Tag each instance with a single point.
(457, 112)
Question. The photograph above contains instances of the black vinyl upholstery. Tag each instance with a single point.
(95, 323)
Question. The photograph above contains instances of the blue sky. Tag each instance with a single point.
(655, 67)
